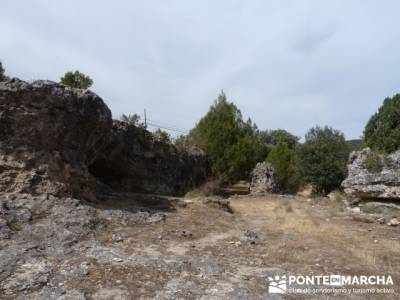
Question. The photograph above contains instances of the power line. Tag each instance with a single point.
(168, 125)
(164, 127)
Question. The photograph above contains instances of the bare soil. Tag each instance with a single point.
(295, 236)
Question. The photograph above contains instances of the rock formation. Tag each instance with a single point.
(263, 179)
(49, 134)
(62, 141)
(383, 183)
(133, 160)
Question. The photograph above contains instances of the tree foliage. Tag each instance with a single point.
(77, 80)
(182, 142)
(285, 162)
(162, 136)
(269, 138)
(323, 158)
(382, 132)
(131, 119)
(2, 72)
(232, 145)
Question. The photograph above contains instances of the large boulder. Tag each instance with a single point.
(263, 179)
(381, 183)
(49, 135)
(62, 141)
(133, 160)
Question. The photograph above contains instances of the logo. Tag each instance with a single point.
(282, 284)
(277, 285)
(335, 280)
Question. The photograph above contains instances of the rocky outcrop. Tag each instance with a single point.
(49, 134)
(263, 179)
(42, 236)
(62, 141)
(381, 183)
(133, 160)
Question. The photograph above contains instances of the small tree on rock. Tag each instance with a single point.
(77, 80)
(162, 136)
(131, 119)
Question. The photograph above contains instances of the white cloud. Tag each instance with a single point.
(286, 64)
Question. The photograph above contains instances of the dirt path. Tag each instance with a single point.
(201, 252)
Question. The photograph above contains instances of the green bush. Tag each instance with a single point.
(374, 162)
(162, 136)
(323, 159)
(269, 138)
(284, 161)
(77, 80)
(2, 72)
(382, 132)
(232, 145)
(182, 143)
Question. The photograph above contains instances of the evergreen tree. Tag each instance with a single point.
(323, 158)
(382, 132)
(285, 163)
(2, 72)
(77, 80)
(232, 145)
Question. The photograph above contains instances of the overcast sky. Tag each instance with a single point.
(285, 64)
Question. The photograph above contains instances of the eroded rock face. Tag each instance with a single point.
(49, 134)
(263, 179)
(134, 161)
(383, 183)
(62, 141)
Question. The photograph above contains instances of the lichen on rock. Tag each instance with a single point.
(263, 179)
(382, 183)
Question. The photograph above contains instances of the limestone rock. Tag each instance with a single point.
(382, 184)
(62, 141)
(49, 134)
(394, 222)
(263, 179)
(134, 161)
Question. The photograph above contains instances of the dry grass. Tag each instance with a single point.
(295, 235)
(326, 234)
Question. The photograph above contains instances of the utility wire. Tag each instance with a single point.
(151, 124)
(168, 125)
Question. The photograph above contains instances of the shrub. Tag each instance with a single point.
(77, 80)
(162, 136)
(323, 159)
(374, 162)
(269, 138)
(131, 119)
(2, 72)
(382, 132)
(182, 143)
(284, 161)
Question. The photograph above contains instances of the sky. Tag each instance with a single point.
(285, 64)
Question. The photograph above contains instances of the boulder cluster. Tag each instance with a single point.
(62, 141)
(380, 183)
